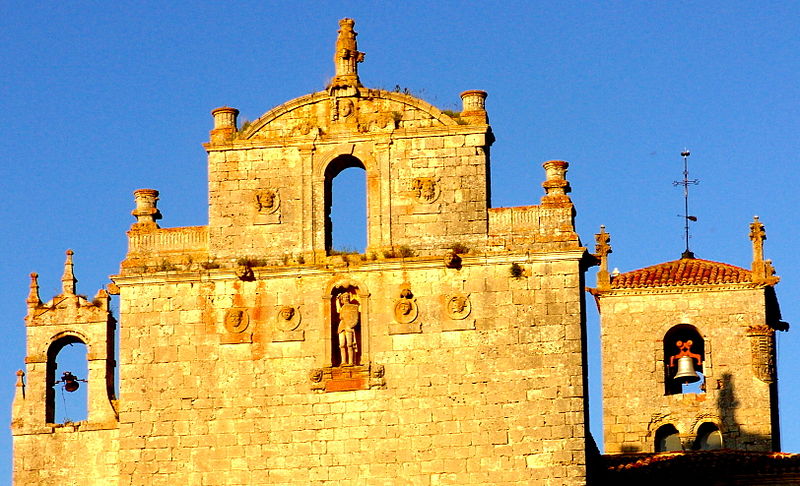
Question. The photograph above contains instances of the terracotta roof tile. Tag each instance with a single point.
(686, 271)
(732, 462)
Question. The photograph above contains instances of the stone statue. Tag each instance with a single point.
(349, 314)
(346, 56)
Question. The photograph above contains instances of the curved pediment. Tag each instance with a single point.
(372, 110)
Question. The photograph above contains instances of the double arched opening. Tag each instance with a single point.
(708, 437)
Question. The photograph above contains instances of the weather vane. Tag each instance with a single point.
(686, 182)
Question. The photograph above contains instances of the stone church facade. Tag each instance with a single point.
(452, 351)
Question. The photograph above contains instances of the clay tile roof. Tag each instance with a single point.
(686, 271)
(716, 463)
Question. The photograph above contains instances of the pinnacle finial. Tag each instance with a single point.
(33, 295)
(68, 280)
(602, 249)
(346, 57)
(763, 271)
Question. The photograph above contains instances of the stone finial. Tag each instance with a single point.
(346, 57)
(33, 299)
(763, 271)
(224, 123)
(602, 249)
(20, 376)
(68, 280)
(556, 185)
(473, 103)
(146, 211)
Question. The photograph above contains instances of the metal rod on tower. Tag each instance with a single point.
(686, 182)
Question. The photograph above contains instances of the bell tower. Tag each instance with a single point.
(688, 350)
(67, 319)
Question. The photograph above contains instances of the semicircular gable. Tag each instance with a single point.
(320, 114)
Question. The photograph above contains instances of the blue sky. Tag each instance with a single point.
(99, 101)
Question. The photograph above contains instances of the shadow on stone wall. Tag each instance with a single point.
(735, 435)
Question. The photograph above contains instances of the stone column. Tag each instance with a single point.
(224, 124)
(474, 106)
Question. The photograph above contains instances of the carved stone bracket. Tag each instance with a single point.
(347, 378)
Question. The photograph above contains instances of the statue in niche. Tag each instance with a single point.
(458, 306)
(236, 320)
(405, 308)
(288, 318)
(349, 316)
(267, 202)
(425, 189)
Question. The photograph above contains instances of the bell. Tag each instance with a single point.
(70, 382)
(686, 372)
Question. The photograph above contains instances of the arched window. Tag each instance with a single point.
(668, 439)
(67, 372)
(345, 205)
(684, 356)
(708, 437)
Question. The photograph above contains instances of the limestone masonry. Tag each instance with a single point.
(452, 351)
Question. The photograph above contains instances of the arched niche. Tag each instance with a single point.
(683, 341)
(357, 306)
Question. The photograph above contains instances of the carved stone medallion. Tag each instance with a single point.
(425, 189)
(236, 320)
(457, 306)
(267, 203)
(405, 310)
(288, 318)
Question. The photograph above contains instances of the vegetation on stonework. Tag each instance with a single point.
(165, 266)
(252, 262)
(459, 248)
(345, 250)
(209, 265)
(455, 115)
(516, 270)
(401, 251)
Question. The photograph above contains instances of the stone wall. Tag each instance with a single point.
(493, 397)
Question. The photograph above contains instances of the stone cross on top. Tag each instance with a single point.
(602, 249)
(346, 57)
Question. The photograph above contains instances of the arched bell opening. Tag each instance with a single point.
(708, 438)
(684, 356)
(345, 205)
(667, 439)
(66, 393)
